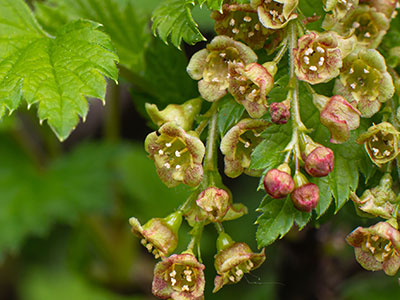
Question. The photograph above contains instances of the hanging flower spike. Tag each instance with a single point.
(210, 65)
(381, 143)
(233, 260)
(238, 144)
(177, 155)
(338, 115)
(240, 22)
(278, 183)
(249, 85)
(159, 236)
(181, 115)
(179, 277)
(305, 196)
(364, 80)
(318, 57)
(275, 14)
(377, 247)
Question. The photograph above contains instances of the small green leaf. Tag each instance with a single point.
(269, 153)
(215, 4)
(229, 113)
(55, 72)
(325, 195)
(173, 18)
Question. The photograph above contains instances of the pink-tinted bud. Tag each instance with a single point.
(305, 196)
(279, 112)
(214, 204)
(278, 183)
(319, 162)
(179, 277)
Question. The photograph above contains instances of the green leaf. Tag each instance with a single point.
(269, 153)
(34, 199)
(123, 20)
(55, 72)
(173, 18)
(229, 113)
(215, 4)
(278, 217)
(325, 195)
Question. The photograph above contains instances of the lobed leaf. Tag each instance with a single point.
(173, 18)
(229, 114)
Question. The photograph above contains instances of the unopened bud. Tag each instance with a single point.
(279, 112)
(305, 196)
(278, 183)
(319, 162)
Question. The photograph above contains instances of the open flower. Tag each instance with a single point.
(377, 247)
(210, 65)
(365, 81)
(181, 115)
(179, 277)
(318, 57)
(249, 85)
(178, 155)
(387, 7)
(338, 9)
(233, 260)
(238, 144)
(275, 14)
(240, 22)
(338, 115)
(381, 142)
(159, 235)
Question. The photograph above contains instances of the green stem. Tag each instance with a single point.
(219, 227)
(281, 53)
(210, 160)
(194, 243)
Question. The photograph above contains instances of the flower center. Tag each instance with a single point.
(379, 247)
(182, 278)
(274, 9)
(365, 28)
(149, 246)
(363, 79)
(381, 145)
(236, 273)
(314, 58)
(175, 154)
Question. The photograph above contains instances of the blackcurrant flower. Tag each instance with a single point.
(249, 85)
(210, 65)
(275, 14)
(377, 247)
(279, 112)
(159, 235)
(233, 260)
(177, 154)
(238, 144)
(381, 142)
(179, 277)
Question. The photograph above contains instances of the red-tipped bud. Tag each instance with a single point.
(305, 196)
(320, 162)
(278, 183)
(279, 112)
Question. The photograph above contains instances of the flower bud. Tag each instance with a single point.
(177, 154)
(210, 65)
(318, 57)
(159, 236)
(278, 183)
(339, 116)
(181, 115)
(179, 276)
(275, 14)
(238, 144)
(305, 196)
(279, 112)
(377, 247)
(240, 22)
(319, 162)
(381, 143)
(249, 85)
(233, 260)
(214, 204)
(364, 81)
